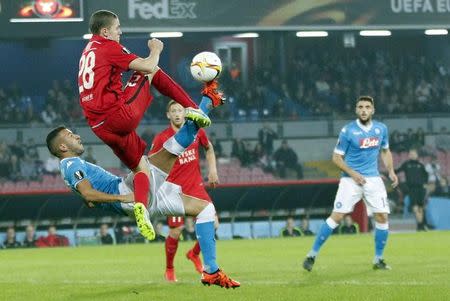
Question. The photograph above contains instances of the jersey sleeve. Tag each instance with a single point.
(385, 138)
(342, 143)
(157, 144)
(119, 56)
(203, 138)
(74, 171)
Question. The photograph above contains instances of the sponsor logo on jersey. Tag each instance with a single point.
(187, 156)
(357, 133)
(369, 142)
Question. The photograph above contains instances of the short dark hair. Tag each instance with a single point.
(171, 103)
(366, 98)
(101, 19)
(51, 137)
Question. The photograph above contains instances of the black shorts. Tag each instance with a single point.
(417, 195)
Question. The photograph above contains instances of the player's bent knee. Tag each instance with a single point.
(208, 214)
(175, 232)
(381, 217)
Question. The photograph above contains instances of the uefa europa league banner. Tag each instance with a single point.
(151, 15)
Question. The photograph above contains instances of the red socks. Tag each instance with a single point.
(171, 250)
(141, 188)
(168, 87)
(196, 248)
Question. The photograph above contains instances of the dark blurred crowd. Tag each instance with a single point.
(60, 104)
(315, 83)
(283, 162)
(31, 240)
(20, 161)
(323, 83)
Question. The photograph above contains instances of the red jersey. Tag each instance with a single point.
(100, 77)
(186, 170)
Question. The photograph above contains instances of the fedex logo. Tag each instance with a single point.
(161, 9)
(369, 142)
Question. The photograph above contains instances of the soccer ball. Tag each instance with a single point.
(206, 66)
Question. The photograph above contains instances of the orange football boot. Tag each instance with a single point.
(219, 278)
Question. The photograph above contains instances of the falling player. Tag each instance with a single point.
(186, 173)
(356, 154)
(114, 113)
(100, 188)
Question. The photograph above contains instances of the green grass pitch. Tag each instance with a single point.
(268, 269)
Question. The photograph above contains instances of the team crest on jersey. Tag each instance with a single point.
(338, 205)
(369, 142)
(377, 131)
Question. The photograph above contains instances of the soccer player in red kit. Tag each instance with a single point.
(113, 113)
(186, 173)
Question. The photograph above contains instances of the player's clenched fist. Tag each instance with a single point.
(155, 45)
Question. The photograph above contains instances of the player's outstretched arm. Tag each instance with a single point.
(356, 176)
(92, 195)
(388, 162)
(213, 177)
(149, 64)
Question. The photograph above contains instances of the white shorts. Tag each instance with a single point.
(373, 193)
(165, 197)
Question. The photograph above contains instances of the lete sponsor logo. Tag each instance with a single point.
(369, 142)
(162, 9)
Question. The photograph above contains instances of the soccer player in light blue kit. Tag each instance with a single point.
(100, 188)
(356, 154)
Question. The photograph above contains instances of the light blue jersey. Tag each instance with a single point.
(74, 170)
(360, 145)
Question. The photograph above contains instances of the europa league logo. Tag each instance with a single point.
(46, 8)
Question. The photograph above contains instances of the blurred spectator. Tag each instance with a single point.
(239, 150)
(51, 166)
(396, 141)
(266, 136)
(442, 140)
(348, 226)
(286, 159)
(28, 169)
(49, 116)
(416, 179)
(10, 241)
(31, 149)
(105, 237)
(52, 239)
(188, 232)
(5, 160)
(419, 138)
(89, 155)
(305, 227)
(290, 230)
(218, 149)
(437, 183)
(423, 92)
(30, 237)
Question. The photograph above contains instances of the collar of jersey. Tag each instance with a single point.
(68, 158)
(365, 128)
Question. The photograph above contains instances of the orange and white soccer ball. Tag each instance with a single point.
(206, 66)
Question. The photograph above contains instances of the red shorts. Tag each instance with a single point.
(118, 130)
(196, 190)
(175, 221)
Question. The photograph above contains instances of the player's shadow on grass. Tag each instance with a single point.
(121, 293)
(315, 278)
